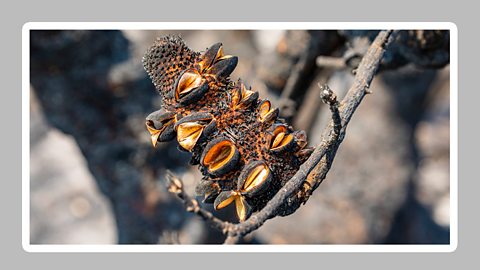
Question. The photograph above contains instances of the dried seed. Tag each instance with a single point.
(214, 62)
(210, 197)
(187, 81)
(242, 207)
(196, 116)
(264, 108)
(208, 130)
(271, 116)
(278, 140)
(249, 99)
(236, 95)
(161, 115)
(195, 95)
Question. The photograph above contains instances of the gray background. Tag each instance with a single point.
(15, 17)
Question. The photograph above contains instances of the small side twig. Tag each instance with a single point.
(175, 186)
(360, 87)
(327, 95)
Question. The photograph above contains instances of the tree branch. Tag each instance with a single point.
(315, 169)
(330, 141)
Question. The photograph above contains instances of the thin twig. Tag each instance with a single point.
(175, 186)
(327, 95)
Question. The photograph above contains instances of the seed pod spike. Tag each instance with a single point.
(244, 156)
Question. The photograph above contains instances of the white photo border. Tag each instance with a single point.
(27, 246)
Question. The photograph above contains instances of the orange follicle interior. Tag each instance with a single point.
(189, 81)
(256, 177)
(188, 134)
(280, 138)
(226, 202)
(265, 110)
(219, 155)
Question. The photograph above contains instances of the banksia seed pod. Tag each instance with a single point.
(244, 151)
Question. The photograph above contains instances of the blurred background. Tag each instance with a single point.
(95, 178)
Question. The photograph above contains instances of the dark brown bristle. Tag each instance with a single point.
(165, 59)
